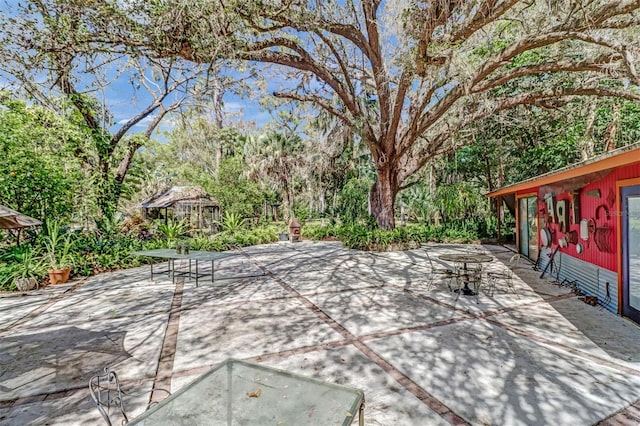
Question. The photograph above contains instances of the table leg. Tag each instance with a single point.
(465, 278)
(212, 271)
(361, 413)
(151, 278)
(197, 275)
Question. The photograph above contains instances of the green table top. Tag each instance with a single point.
(192, 255)
(243, 393)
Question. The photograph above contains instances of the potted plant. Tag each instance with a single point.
(22, 269)
(58, 253)
(28, 272)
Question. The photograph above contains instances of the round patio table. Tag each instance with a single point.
(465, 258)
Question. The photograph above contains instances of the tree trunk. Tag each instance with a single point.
(612, 129)
(586, 145)
(433, 187)
(382, 198)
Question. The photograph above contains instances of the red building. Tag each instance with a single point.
(581, 224)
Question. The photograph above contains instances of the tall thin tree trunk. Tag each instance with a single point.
(612, 129)
(432, 191)
(586, 145)
(218, 93)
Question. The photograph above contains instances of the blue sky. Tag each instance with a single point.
(124, 103)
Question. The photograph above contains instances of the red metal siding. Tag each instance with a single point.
(593, 207)
(607, 233)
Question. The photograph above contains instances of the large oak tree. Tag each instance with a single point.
(50, 55)
(407, 76)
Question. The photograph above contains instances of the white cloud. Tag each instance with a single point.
(142, 123)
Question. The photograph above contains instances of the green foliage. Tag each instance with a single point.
(58, 246)
(20, 262)
(231, 222)
(302, 213)
(225, 240)
(95, 252)
(459, 202)
(364, 237)
(234, 191)
(351, 205)
(418, 203)
(38, 176)
(320, 232)
(172, 230)
(551, 156)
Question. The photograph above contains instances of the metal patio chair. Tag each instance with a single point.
(107, 395)
(495, 279)
(439, 271)
(471, 276)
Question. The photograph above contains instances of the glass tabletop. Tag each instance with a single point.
(242, 393)
(466, 257)
(192, 255)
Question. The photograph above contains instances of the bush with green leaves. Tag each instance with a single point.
(21, 262)
(58, 246)
(231, 222)
(38, 174)
(172, 230)
(364, 237)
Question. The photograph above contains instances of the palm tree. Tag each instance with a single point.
(275, 158)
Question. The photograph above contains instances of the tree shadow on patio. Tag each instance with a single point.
(35, 362)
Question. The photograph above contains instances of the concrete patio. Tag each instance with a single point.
(366, 320)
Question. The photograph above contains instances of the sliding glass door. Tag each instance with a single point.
(631, 252)
(528, 227)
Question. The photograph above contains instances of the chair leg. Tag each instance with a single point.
(491, 288)
(509, 282)
(430, 282)
(459, 281)
(477, 284)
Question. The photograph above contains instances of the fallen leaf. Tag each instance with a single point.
(254, 394)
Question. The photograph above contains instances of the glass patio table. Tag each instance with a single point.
(193, 255)
(243, 393)
(466, 258)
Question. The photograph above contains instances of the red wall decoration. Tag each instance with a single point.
(580, 211)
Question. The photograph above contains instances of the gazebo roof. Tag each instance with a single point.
(12, 219)
(179, 194)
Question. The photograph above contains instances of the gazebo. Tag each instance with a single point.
(13, 220)
(189, 203)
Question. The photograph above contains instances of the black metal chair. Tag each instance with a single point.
(470, 276)
(107, 395)
(438, 271)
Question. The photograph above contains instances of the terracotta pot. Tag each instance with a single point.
(59, 276)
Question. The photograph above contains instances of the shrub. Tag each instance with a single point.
(365, 237)
(172, 230)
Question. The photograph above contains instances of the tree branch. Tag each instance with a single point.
(322, 103)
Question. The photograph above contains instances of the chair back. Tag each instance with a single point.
(514, 260)
(107, 395)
